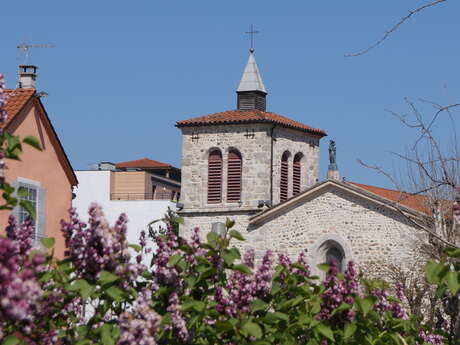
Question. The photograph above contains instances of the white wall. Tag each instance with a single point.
(94, 186)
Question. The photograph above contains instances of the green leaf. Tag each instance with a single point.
(22, 192)
(366, 304)
(340, 308)
(242, 268)
(350, 329)
(48, 242)
(230, 257)
(281, 316)
(253, 329)
(10, 340)
(32, 141)
(236, 234)
(229, 223)
(107, 278)
(224, 326)
(197, 305)
(323, 267)
(27, 205)
(173, 260)
(258, 304)
(106, 335)
(136, 247)
(435, 272)
(453, 282)
(326, 331)
(115, 293)
(453, 252)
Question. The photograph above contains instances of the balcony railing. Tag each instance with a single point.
(140, 196)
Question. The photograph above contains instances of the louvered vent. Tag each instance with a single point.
(296, 173)
(234, 176)
(284, 177)
(215, 177)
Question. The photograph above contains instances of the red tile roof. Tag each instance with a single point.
(143, 163)
(17, 99)
(416, 202)
(255, 116)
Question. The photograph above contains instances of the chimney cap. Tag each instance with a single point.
(27, 76)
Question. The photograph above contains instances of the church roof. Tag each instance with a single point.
(251, 79)
(415, 205)
(252, 116)
(145, 163)
(414, 201)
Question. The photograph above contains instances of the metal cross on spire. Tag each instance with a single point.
(252, 32)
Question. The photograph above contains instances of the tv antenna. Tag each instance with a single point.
(24, 49)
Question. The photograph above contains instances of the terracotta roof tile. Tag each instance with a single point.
(17, 99)
(238, 116)
(416, 202)
(143, 163)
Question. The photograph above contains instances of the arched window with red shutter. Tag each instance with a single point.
(215, 177)
(296, 173)
(234, 172)
(284, 179)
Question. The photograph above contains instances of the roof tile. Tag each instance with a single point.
(143, 163)
(416, 202)
(16, 100)
(254, 116)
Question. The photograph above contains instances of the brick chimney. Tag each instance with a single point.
(27, 76)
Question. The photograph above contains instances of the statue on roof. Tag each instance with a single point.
(333, 169)
(332, 153)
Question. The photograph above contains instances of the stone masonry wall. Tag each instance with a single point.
(254, 144)
(367, 231)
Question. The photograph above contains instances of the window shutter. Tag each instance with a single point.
(284, 177)
(41, 212)
(296, 173)
(234, 176)
(215, 177)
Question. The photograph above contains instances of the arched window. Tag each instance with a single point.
(215, 177)
(296, 174)
(234, 172)
(284, 176)
(336, 255)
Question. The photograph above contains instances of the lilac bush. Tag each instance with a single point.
(194, 292)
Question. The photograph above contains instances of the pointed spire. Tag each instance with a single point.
(251, 91)
(251, 79)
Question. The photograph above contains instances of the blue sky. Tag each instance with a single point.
(122, 73)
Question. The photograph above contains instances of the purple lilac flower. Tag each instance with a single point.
(430, 338)
(242, 289)
(96, 246)
(140, 325)
(177, 325)
(263, 276)
(339, 291)
(21, 234)
(19, 289)
(3, 100)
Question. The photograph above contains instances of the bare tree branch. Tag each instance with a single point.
(396, 27)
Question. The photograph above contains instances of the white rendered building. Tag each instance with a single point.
(141, 208)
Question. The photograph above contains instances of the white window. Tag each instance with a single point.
(32, 197)
(36, 195)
